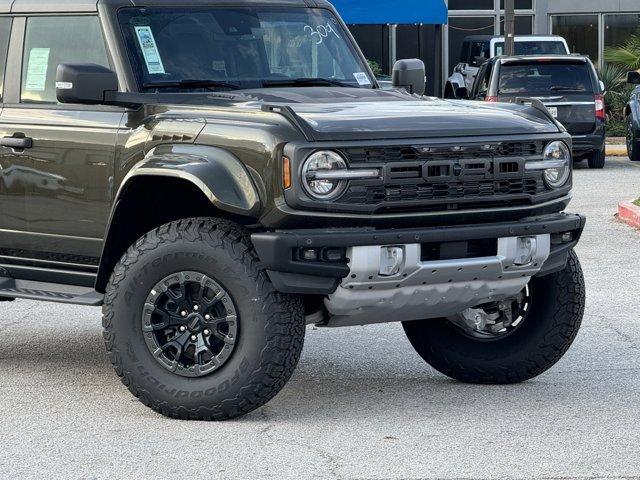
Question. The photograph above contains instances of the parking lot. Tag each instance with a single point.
(362, 404)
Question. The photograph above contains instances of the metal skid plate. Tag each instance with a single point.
(431, 289)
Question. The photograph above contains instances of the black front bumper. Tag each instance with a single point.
(277, 249)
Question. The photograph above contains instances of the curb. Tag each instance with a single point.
(616, 151)
(629, 213)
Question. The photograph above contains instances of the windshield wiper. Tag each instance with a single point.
(192, 83)
(560, 88)
(306, 82)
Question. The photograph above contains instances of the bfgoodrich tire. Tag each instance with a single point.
(249, 345)
(556, 310)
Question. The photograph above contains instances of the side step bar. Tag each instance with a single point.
(49, 292)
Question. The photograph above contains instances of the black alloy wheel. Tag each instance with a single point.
(190, 324)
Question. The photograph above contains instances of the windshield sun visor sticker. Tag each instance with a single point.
(150, 50)
(37, 69)
(362, 78)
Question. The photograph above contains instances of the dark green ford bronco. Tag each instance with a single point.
(217, 174)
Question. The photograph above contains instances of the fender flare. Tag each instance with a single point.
(217, 173)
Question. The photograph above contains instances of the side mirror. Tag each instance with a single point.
(633, 78)
(84, 83)
(410, 75)
(462, 92)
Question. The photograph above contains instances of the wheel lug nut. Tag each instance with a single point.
(207, 332)
(196, 308)
(207, 317)
(183, 313)
(182, 328)
(193, 338)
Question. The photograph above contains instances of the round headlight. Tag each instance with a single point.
(317, 173)
(559, 157)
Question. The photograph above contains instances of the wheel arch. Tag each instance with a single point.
(174, 182)
(633, 110)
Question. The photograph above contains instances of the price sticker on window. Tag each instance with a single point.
(37, 69)
(150, 50)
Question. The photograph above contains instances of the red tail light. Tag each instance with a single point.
(601, 114)
(491, 99)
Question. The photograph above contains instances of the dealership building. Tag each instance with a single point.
(433, 30)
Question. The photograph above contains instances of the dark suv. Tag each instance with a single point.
(568, 85)
(217, 174)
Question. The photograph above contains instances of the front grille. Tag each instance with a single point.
(446, 152)
(445, 177)
(451, 176)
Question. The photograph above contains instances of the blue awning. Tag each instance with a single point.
(432, 12)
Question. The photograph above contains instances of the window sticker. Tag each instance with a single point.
(362, 78)
(150, 50)
(37, 69)
(498, 51)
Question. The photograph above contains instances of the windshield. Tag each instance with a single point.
(539, 47)
(227, 48)
(545, 79)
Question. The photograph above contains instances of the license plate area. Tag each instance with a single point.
(435, 251)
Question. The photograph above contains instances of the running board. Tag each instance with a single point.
(49, 292)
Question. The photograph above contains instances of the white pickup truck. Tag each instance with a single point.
(477, 49)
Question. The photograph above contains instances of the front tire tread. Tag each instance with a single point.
(286, 336)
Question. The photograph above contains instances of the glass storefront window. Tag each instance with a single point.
(471, 5)
(520, 4)
(580, 32)
(618, 28)
(524, 25)
(462, 27)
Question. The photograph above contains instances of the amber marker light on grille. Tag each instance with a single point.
(286, 172)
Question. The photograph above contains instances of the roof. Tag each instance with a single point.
(482, 38)
(48, 6)
(542, 59)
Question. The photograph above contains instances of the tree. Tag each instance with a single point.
(626, 55)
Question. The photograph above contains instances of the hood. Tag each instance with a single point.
(358, 114)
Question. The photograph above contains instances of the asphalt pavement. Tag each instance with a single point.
(361, 404)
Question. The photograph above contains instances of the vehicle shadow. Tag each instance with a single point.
(362, 382)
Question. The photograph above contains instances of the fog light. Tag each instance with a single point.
(525, 251)
(309, 254)
(567, 237)
(391, 259)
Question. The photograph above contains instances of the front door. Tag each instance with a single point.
(67, 163)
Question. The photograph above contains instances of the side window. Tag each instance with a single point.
(5, 33)
(50, 41)
(478, 54)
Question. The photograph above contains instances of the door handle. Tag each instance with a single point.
(18, 141)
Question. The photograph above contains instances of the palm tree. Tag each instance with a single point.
(626, 55)
(613, 76)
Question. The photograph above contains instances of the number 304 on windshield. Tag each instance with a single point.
(320, 32)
